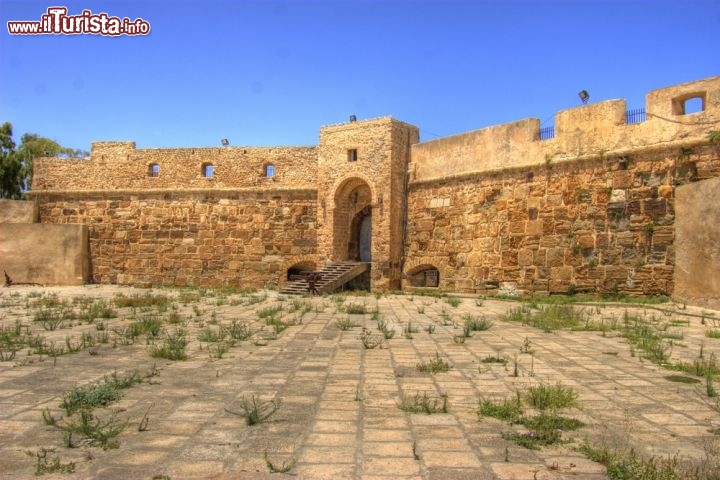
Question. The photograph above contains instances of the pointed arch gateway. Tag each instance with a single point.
(352, 221)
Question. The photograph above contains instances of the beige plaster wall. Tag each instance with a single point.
(18, 211)
(44, 254)
(697, 240)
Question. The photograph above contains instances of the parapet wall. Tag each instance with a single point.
(120, 166)
(594, 130)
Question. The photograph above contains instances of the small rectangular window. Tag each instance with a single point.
(693, 105)
(688, 104)
(352, 155)
(208, 170)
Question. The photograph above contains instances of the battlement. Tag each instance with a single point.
(603, 128)
(111, 149)
(121, 166)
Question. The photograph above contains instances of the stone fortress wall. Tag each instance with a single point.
(180, 224)
(591, 208)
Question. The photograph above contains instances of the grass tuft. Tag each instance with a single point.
(423, 403)
(509, 410)
(436, 365)
(172, 348)
(551, 397)
(256, 411)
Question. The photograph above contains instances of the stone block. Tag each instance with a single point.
(622, 179)
(665, 191)
(525, 257)
(425, 225)
(615, 272)
(517, 228)
(656, 207)
(555, 257)
(585, 241)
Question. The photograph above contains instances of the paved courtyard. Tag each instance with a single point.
(339, 415)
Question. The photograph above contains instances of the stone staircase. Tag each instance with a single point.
(333, 277)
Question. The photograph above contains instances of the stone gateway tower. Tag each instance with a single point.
(362, 192)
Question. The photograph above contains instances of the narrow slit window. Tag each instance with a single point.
(352, 155)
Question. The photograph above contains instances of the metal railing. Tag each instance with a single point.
(547, 133)
(635, 116)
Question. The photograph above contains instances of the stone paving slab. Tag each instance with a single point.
(339, 416)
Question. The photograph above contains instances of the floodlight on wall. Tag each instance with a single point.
(584, 96)
(353, 118)
(225, 142)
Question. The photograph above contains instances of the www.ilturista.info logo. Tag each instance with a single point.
(57, 22)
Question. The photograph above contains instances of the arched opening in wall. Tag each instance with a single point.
(298, 270)
(153, 170)
(352, 221)
(359, 247)
(424, 276)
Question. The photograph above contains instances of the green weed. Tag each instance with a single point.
(712, 333)
(551, 397)
(256, 411)
(543, 430)
(476, 324)
(509, 410)
(50, 465)
(284, 468)
(172, 348)
(495, 359)
(436, 365)
(89, 428)
(355, 308)
(345, 323)
(453, 301)
(423, 403)
(370, 340)
(141, 301)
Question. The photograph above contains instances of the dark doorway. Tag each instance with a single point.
(360, 245)
(365, 239)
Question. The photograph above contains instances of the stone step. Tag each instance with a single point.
(333, 276)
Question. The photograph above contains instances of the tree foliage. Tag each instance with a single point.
(16, 163)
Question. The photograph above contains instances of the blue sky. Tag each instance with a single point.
(266, 72)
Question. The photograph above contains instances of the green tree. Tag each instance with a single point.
(16, 164)
(10, 164)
